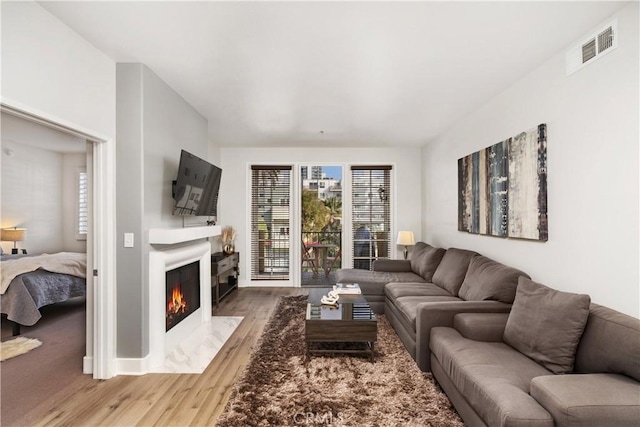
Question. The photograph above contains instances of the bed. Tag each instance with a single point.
(31, 282)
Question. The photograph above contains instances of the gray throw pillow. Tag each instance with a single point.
(419, 251)
(546, 325)
(487, 279)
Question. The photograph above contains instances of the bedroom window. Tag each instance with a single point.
(83, 205)
(371, 214)
(270, 222)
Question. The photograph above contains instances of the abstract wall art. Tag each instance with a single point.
(502, 189)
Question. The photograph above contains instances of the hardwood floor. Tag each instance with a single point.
(168, 399)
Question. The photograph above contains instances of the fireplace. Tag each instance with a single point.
(183, 293)
(165, 272)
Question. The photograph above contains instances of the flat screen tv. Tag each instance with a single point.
(196, 188)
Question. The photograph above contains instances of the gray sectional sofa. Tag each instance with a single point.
(431, 288)
(507, 350)
(579, 366)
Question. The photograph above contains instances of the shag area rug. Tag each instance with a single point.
(17, 346)
(281, 387)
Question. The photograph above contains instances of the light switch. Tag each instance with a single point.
(128, 240)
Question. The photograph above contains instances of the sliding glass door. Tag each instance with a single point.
(321, 223)
(370, 214)
(270, 222)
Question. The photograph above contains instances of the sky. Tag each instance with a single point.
(333, 171)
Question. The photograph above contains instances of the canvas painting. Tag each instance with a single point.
(528, 185)
(502, 189)
(498, 201)
(464, 194)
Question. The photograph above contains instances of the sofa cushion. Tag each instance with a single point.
(392, 265)
(419, 251)
(610, 343)
(430, 261)
(493, 377)
(404, 289)
(487, 279)
(546, 324)
(408, 306)
(452, 269)
(372, 282)
(591, 399)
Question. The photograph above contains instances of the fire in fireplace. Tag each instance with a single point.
(183, 293)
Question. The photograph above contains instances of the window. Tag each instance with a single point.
(269, 245)
(83, 205)
(371, 214)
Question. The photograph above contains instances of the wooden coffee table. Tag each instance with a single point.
(352, 324)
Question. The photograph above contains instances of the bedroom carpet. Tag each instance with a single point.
(48, 370)
(280, 387)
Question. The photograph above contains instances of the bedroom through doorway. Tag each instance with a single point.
(46, 189)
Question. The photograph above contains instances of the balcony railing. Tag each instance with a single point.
(322, 274)
(323, 237)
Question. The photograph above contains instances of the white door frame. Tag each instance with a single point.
(101, 309)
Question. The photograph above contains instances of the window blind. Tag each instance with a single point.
(371, 214)
(270, 222)
(83, 206)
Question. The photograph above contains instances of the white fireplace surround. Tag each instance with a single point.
(181, 248)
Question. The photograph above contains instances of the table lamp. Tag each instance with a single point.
(13, 235)
(406, 239)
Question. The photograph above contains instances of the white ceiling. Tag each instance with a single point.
(334, 73)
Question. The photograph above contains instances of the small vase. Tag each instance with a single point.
(228, 248)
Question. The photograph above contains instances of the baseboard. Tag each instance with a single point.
(87, 365)
(132, 366)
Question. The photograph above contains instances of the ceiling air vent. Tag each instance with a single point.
(605, 39)
(588, 50)
(592, 48)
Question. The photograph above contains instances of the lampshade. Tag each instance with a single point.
(405, 238)
(12, 234)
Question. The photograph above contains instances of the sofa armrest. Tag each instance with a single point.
(441, 313)
(589, 399)
(487, 327)
(392, 265)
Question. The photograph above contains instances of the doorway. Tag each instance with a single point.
(100, 296)
(321, 239)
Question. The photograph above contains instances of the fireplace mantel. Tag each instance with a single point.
(171, 236)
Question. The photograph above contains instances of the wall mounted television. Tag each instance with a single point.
(195, 191)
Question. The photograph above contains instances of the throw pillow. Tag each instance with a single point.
(546, 325)
(419, 250)
(487, 279)
(430, 261)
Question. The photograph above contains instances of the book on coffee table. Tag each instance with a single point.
(347, 288)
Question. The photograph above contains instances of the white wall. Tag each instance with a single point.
(233, 203)
(32, 197)
(49, 68)
(39, 193)
(593, 134)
